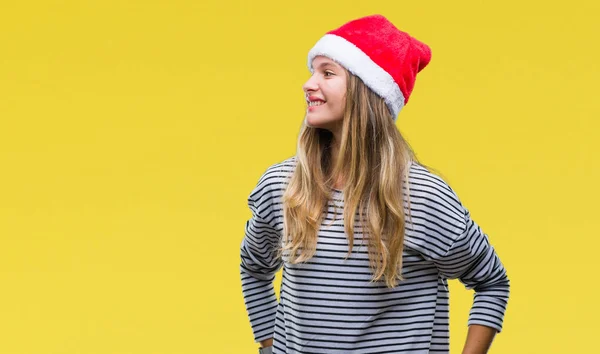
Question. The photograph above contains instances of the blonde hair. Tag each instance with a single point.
(373, 157)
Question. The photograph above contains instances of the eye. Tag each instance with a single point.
(328, 72)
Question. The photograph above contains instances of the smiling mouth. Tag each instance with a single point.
(315, 103)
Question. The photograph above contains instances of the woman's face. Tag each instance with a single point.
(325, 94)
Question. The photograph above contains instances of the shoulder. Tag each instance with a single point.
(433, 191)
(437, 214)
(281, 169)
(273, 181)
(277, 174)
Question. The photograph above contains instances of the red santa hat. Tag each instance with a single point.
(386, 59)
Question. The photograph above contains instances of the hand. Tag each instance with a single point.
(266, 342)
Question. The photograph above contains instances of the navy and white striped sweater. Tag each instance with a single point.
(329, 305)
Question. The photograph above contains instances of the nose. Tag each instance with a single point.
(310, 85)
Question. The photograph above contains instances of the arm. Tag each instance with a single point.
(259, 263)
(474, 262)
(479, 339)
(445, 234)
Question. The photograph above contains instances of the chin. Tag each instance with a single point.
(319, 122)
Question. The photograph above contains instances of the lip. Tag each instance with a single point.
(312, 108)
(310, 99)
(315, 98)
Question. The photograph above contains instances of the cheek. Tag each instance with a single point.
(341, 100)
(341, 96)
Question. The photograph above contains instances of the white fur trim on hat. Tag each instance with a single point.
(358, 63)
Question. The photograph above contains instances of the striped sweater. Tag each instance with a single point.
(329, 305)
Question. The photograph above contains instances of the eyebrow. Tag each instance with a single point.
(326, 64)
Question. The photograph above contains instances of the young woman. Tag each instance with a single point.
(367, 236)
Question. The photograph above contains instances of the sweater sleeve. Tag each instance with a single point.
(445, 234)
(259, 262)
(472, 259)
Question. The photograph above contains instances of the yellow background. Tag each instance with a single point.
(132, 132)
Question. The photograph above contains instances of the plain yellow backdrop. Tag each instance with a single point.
(132, 132)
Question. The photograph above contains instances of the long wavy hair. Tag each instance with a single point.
(373, 158)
